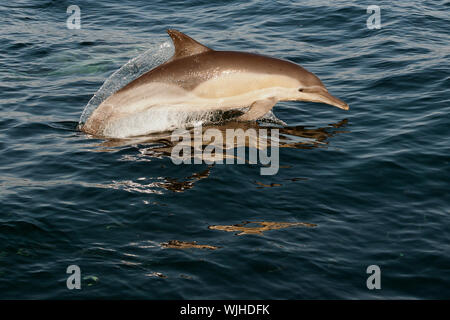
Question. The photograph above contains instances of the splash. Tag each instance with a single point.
(130, 71)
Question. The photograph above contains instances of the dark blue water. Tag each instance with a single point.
(373, 180)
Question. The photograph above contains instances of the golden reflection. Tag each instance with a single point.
(262, 185)
(186, 184)
(243, 228)
(176, 244)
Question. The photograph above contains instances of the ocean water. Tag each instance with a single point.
(368, 186)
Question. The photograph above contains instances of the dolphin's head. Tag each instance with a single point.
(310, 88)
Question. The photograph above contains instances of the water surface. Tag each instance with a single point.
(355, 188)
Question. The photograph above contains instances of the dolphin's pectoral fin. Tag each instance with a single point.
(258, 109)
(270, 117)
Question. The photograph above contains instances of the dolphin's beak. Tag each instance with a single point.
(327, 98)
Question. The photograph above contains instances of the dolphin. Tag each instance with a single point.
(198, 80)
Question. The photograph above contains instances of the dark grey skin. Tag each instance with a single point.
(221, 76)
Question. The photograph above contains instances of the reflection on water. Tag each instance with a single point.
(261, 226)
(159, 145)
(167, 183)
(156, 274)
(176, 244)
(299, 137)
(263, 185)
(180, 186)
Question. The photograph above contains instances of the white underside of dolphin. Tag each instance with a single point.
(162, 107)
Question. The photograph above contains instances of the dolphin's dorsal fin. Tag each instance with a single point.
(185, 46)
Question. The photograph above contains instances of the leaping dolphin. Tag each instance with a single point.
(198, 79)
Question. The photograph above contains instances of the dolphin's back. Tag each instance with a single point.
(192, 71)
